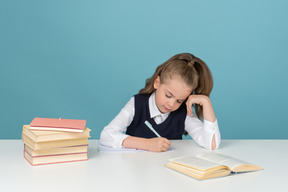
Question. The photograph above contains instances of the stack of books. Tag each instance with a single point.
(49, 141)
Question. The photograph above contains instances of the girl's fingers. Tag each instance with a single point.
(167, 142)
(159, 144)
(189, 108)
(165, 147)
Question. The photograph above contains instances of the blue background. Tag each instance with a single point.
(85, 59)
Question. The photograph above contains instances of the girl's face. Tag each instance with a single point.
(170, 95)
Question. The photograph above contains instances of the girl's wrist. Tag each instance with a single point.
(208, 111)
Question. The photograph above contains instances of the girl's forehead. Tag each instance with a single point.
(177, 87)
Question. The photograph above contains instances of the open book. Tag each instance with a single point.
(209, 165)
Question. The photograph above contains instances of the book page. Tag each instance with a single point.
(222, 159)
(103, 148)
(195, 162)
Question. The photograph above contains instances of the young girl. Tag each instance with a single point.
(166, 101)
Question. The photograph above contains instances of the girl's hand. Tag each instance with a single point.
(158, 144)
(205, 102)
(195, 99)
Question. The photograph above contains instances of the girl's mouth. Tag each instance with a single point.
(167, 109)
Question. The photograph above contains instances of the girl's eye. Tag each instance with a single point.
(179, 102)
(168, 96)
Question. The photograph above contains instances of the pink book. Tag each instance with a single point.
(49, 124)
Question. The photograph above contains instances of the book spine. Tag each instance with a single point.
(53, 155)
(65, 161)
(54, 162)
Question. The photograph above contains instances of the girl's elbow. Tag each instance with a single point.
(215, 145)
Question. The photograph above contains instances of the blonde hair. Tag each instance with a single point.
(192, 70)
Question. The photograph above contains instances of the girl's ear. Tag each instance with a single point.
(157, 82)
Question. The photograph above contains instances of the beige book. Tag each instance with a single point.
(56, 151)
(39, 136)
(53, 144)
(210, 165)
(51, 159)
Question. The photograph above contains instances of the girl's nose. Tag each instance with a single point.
(171, 103)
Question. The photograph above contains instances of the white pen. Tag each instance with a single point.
(151, 128)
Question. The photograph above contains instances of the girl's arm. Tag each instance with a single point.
(113, 134)
(208, 113)
(157, 144)
(205, 102)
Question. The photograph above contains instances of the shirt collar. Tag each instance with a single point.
(154, 111)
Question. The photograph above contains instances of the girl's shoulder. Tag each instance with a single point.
(141, 96)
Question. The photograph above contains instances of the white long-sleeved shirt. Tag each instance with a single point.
(114, 133)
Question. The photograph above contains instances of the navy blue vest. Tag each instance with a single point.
(171, 128)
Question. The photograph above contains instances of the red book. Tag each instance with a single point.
(49, 124)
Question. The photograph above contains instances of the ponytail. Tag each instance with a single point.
(205, 84)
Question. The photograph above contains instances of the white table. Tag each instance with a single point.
(144, 171)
